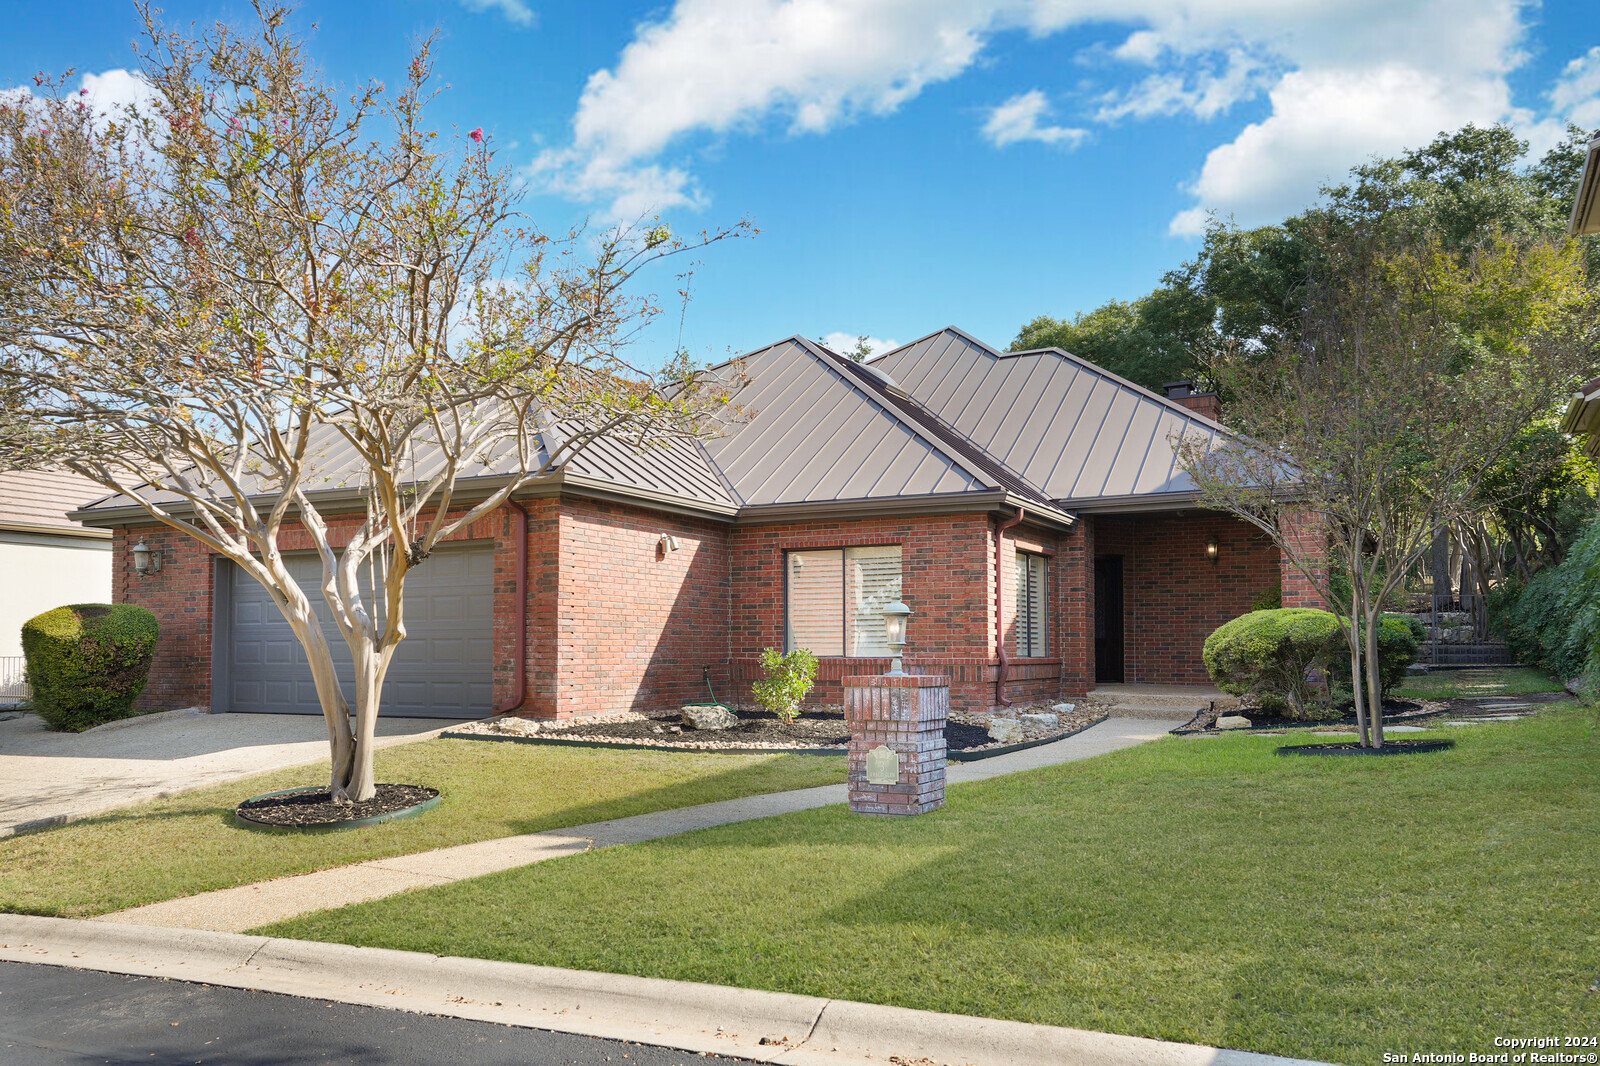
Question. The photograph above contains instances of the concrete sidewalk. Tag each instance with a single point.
(52, 777)
(763, 1026)
(250, 906)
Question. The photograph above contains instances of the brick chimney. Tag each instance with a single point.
(1201, 403)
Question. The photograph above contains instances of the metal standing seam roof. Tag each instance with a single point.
(816, 433)
(1075, 430)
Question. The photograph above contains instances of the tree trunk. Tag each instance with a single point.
(1357, 689)
(1374, 678)
(1441, 565)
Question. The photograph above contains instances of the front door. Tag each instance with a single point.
(1108, 618)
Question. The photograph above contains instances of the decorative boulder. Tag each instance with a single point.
(708, 716)
(515, 726)
(1064, 708)
(1233, 721)
(1006, 730)
(1042, 720)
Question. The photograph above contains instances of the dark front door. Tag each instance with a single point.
(1108, 618)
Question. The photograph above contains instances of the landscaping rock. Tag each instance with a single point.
(1575, 686)
(1233, 721)
(1044, 719)
(522, 727)
(1417, 668)
(1063, 708)
(1006, 730)
(708, 716)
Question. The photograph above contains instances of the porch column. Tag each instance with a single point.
(1074, 603)
(1307, 533)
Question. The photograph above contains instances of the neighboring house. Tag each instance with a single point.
(46, 559)
(1029, 507)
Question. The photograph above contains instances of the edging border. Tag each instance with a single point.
(336, 827)
(969, 755)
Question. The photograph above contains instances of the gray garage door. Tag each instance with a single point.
(441, 670)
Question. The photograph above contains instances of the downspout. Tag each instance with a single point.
(999, 610)
(519, 683)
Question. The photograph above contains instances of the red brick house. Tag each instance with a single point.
(1028, 506)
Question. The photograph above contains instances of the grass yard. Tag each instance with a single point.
(1196, 890)
(189, 843)
(1475, 682)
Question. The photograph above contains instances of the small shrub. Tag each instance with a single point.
(1269, 598)
(788, 679)
(1268, 655)
(88, 662)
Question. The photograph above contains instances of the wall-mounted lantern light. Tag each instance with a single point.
(668, 543)
(894, 625)
(1213, 549)
(145, 560)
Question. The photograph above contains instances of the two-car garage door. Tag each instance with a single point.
(443, 669)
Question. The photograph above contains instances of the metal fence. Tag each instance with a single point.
(1458, 633)
(13, 684)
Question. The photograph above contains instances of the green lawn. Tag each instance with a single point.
(189, 843)
(1472, 683)
(1197, 890)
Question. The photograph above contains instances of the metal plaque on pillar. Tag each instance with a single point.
(883, 766)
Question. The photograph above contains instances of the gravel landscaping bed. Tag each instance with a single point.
(1395, 712)
(314, 807)
(823, 728)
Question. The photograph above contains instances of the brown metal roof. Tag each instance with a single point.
(816, 433)
(39, 500)
(1080, 433)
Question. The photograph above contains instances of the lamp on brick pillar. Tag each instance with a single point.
(894, 625)
(146, 561)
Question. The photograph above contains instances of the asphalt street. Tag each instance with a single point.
(51, 1016)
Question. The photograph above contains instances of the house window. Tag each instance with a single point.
(1030, 599)
(836, 599)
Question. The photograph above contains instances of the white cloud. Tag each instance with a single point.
(1576, 95)
(1342, 81)
(514, 10)
(843, 341)
(1018, 119)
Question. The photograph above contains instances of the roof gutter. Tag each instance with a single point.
(1003, 673)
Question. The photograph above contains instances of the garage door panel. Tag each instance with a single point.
(442, 669)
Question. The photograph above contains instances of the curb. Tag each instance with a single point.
(797, 1030)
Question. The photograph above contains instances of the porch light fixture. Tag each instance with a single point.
(894, 625)
(146, 561)
(668, 543)
(1213, 549)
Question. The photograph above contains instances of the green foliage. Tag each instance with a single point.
(88, 662)
(1399, 637)
(1268, 655)
(1269, 598)
(1554, 621)
(788, 679)
(1150, 341)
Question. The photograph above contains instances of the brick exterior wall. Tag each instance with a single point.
(616, 623)
(1309, 537)
(636, 626)
(1173, 596)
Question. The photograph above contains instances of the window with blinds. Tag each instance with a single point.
(1030, 602)
(836, 599)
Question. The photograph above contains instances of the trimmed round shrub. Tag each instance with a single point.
(1399, 638)
(88, 662)
(1269, 655)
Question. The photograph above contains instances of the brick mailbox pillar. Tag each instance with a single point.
(897, 749)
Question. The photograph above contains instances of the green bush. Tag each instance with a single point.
(1399, 637)
(1269, 598)
(1553, 622)
(1269, 655)
(88, 662)
(789, 678)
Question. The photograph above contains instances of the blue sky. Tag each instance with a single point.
(918, 163)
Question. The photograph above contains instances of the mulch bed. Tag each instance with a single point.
(314, 807)
(1390, 747)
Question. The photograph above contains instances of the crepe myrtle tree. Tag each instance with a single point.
(1414, 371)
(212, 299)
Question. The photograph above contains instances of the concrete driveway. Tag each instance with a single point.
(47, 778)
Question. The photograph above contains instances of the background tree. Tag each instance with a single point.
(213, 302)
(1376, 422)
